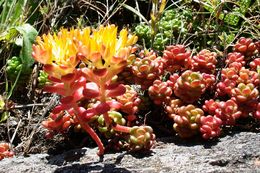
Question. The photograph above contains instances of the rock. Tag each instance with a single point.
(234, 153)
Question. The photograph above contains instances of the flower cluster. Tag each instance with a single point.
(82, 66)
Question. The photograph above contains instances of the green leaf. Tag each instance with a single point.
(28, 33)
(4, 116)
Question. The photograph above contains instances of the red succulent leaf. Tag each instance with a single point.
(86, 115)
(48, 67)
(68, 77)
(100, 72)
(67, 100)
(54, 79)
(56, 88)
(114, 104)
(116, 91)
(102, 108)
(91, 90)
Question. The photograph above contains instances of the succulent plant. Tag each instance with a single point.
(187, 120)
(116, 118)
(255, 64)
(176, 57)
(246, 76)
(102, 55)
(172, 107)
(191, 85)
(229, 73)
(245, 46)
(58, 122)
(43, 79)
(160, 92)
(130, 102)
(5, 151)
(14, 67)
(228, 112)
(245, 93)
(211, 106)
(210, 126)
(147, 69)
(225, 87)
(205, 62)
(141, 138)
(235, 57)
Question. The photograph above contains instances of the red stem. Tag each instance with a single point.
(94, 136)
(90, 131)
(121, 128)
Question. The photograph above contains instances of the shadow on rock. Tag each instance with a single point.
(190, 142)
(89, 167)
(69, 156)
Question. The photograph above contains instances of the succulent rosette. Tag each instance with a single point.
(235, 57)
(190, 86)
(205, 62)
(129, 102)
(57, 52)
(160, 92)
(225, 87)
(247, 76)
(228, 112)
(187, 120)
(116, 118)
(58, 122)
(255, 64)
(210, 126)
(245, 46)
(211, 106)
(141, 138)
(104, 53)
(147, 68)
(176, 57)
(230, 74)
(245, 93)
(172, 107)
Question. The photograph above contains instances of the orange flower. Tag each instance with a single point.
(57, 52)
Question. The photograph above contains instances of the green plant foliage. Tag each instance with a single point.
(21, 65)
(12, 15)
(172, 23)
(43, 79)
(231, 16)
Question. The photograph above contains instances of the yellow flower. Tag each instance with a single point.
(57, 52)
(103, 49)
(99, 49)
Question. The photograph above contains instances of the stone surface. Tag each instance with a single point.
(238, 152)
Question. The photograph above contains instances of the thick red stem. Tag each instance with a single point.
(94, 136)
(121, 128)
(90, 131)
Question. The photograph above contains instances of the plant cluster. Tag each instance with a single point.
(191, 91)
(81, 67)
(171, 24)
(107, 84)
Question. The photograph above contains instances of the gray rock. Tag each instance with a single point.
(237, 153)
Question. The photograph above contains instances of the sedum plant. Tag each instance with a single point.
(81, 66)
(5, 151)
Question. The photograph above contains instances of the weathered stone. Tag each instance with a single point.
(236, 153)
